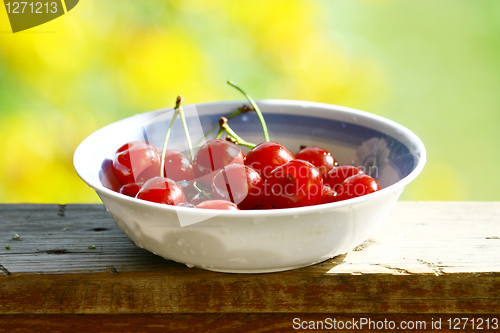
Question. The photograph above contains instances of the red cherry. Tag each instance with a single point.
(136, 162)
(131, 189)
(296, 183)
(239, 184)
(217, 204)
(162, 190)
(178, 166)
(328, 195)
(266, 156)
(338, 174)
(319, 157)
(106, 176)
(356, 186)
(213, 156)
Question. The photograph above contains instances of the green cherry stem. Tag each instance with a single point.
(167, 136)
(241, 142)
(220, 133)
(257, 110)
(237, 139)
(205, 194)
(178, 106)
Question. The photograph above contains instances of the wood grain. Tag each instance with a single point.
(429, 257)
(418, 237)
(197, 292)
(55, 239)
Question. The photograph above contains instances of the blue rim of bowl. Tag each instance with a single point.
(414, 139)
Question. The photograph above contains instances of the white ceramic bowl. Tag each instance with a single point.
(264, 240)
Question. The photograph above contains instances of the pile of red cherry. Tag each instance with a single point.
(220, 176)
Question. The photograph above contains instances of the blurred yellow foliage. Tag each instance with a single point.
(106, 60)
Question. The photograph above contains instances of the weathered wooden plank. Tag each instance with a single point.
(428, 258)
(418, 237)
(432, 237)
(196, 291)
(56, 239)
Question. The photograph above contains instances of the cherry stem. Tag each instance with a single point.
(243, 109)
(205, 194)
(238, 140)
(178, 106)
(167, 136)
(257, 110)
(220, 133)
(229, 138)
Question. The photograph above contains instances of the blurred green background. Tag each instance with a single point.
(433, 66)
